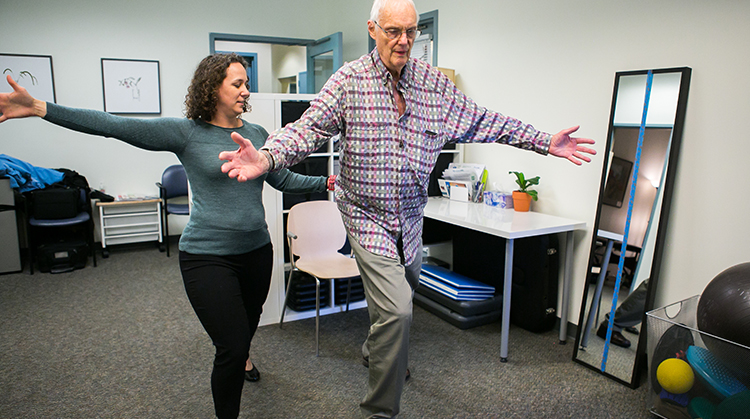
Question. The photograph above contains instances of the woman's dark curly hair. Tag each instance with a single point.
(203, 93)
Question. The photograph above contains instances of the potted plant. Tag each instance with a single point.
(523, 196)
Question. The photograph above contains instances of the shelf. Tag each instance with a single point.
(130, 231)
(116, 226)
(130, 214)
(133, 238)
(292, 315)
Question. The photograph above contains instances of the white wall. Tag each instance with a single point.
(546, 62)
(552, 64)
(78, 33)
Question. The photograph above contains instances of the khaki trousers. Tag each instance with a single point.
(389, 288)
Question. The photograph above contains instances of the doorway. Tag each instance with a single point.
(284, 65)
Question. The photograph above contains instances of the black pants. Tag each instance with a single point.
(227, 293)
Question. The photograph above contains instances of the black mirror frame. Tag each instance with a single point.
(666, 205)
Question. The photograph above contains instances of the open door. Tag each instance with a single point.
(324, 57)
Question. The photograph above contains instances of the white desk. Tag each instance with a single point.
(510, 225)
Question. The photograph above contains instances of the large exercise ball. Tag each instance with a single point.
(724, 311)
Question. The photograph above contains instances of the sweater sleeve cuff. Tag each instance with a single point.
(50, 110)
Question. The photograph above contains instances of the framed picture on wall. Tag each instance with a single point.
(131, 86)
(32, 72)
(617, 182)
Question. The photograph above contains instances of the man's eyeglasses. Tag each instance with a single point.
(396, 33)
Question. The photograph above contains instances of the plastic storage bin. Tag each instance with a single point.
(707, 381)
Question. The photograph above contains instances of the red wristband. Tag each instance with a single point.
(331, 182)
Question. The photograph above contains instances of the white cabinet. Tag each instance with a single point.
(129, 222)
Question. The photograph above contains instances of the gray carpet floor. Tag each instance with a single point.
(619, 360)
(121, 341)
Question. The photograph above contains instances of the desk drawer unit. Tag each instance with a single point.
(130, 221)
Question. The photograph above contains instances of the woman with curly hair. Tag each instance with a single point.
(225, 249)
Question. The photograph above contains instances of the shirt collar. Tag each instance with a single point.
(380, 68)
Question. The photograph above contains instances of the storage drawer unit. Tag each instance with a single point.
(134, 221)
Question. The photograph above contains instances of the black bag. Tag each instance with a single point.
(62, 256)
(54, 203)
(73, 179)
(535, 271)
(62, 199)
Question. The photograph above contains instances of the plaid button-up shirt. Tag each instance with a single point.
(386, 159)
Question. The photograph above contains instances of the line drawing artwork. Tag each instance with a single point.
(131, 86)
(21, 75)
(132, 83)
(32, 72)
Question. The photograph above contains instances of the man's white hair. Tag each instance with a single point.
(378, 5)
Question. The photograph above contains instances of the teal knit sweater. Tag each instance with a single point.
(227, 217)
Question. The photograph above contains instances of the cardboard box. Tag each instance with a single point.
(449, 72)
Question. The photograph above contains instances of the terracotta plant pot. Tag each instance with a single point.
(521, 201)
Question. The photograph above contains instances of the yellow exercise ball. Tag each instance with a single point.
(675, 376)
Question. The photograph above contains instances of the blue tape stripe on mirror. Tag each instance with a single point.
(623, 249)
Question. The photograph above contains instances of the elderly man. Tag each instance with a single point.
(394, 115)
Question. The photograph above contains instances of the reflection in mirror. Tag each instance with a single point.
(645, 128)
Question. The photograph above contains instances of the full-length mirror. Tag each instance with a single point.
(645, 128)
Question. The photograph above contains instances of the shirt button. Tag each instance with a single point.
(401, 143)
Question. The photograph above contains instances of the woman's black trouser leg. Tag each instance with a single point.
(227, 293)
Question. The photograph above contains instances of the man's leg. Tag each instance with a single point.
(389, 287)
(630, 312)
